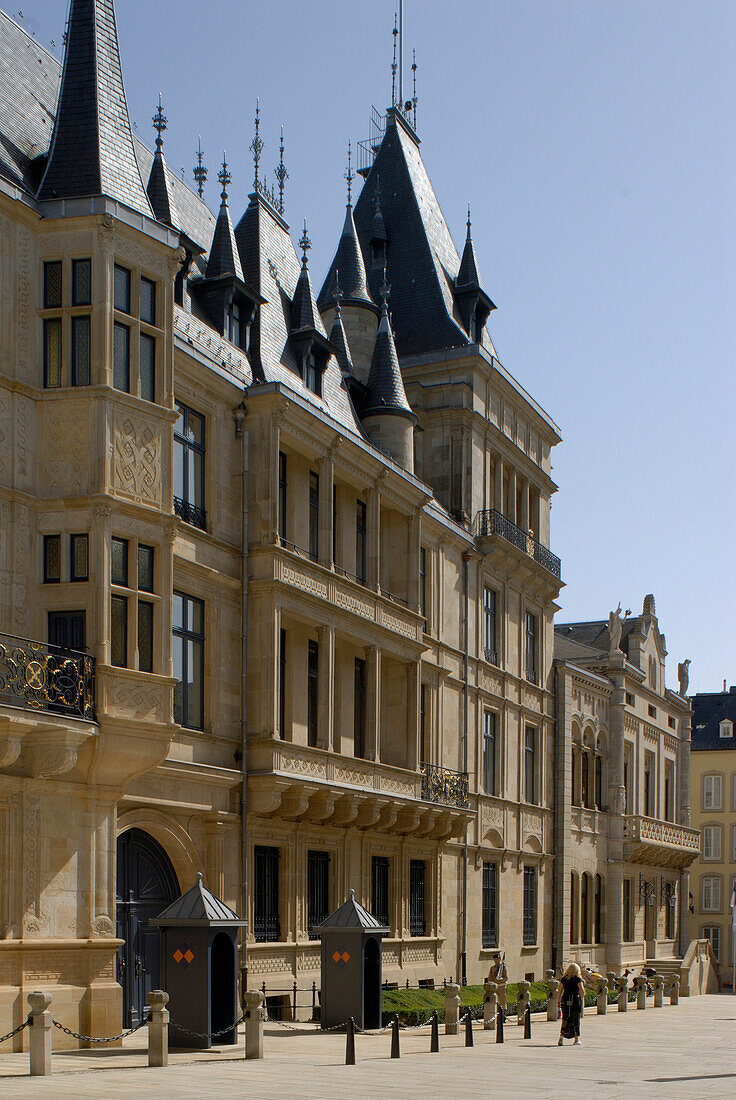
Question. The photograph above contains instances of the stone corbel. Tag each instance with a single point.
(388, 817)
(295, 802)
(9, 750)
(345, 812)
(408, 820)
(368, 814)
(321, 806)
(50, 753)
(264, 801)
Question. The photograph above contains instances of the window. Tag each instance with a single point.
(725, 728)
(148, 301)
(118, 631)
(312, 690)
(147, 367)
(490, 905)
(585, 908)
(313, 515)
(234, 330)
(318, 890)
(530, 906)
(359, 708)
(52, 352)
(712, 932)
(712, 792)
(266, 927)
(188, 654)
(52, 284)
(145, 568)
(648, 784)
(121, 358)
(630, 700)
(585, 778)
(119, 562)
(531, 648)
(598, 933)
(490, 626)
(282, 684)
(417, 919)
(489, 752)
(334, 523)
(81, 282)
(628, 930)
(189, 449)
(669, 913)
(360, 540)
(598, 800)
(652, 711)
(379, 889)
(530, 764)
(423, 723)
(67, 629)
(145, 636)
(282, 496)
(122, 289)
(78, 558)
(312, 375)
(80, 351)
(669, 791)
(574, 907)
(711, 893)
(423, 586)
(712, 843)
(671, 722)
(51, 559)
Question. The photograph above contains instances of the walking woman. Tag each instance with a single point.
(572, 999)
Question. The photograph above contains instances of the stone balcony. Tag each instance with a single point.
(659, 843)
(298, 783)
(496, 535)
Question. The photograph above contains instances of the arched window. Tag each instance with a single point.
(574, 908)
(598, 903)
(585, 779)
(598, 781)
(574, 784)
(585, 908)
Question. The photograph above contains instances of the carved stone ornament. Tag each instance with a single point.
(621, 800)
(615, 629)
(107, 221)
(102, 926)
(43, 761)
(9, 750)
(683, 675)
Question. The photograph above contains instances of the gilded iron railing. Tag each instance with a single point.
(493, 522)
(445, 786)
(46, 677)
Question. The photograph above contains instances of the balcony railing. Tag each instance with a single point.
(444, 786)
(648, 830)
(190, 513)
(46, 677)
(493, 522)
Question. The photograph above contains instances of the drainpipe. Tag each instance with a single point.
(240, 432)
(464, 952)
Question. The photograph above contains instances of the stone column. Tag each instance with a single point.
(325, 692)
(158, 1028)
(253, 1024)
(511, 513)
(100, 551)
(373, 538)
(39, 1042)
(326, 481)
(412, 715)
(452, 1008)
(498, 487)
(553, 1004)
(658, 990)
(602, 997)
(622, 984)
(215, 835)
(523, 1004)
(640, 984)
(414, 524)
(372, 701)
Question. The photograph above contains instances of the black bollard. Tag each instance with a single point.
(499, 1024)
(434, 1044)
(395, 1052)
(528, 1022)
(468, 1029)
(350, 1045)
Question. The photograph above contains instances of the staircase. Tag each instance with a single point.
(669, 968)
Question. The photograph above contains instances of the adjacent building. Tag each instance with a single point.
(713, 877)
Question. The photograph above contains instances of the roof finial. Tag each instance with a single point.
(224, 177)
(401, 54)
(384, 292)
(337, 293)
(349, 175)
(414, 75)
(395, 33)
(256, 146)
(200, 172)
(468, 222)
(281, 174)
(159, 124)
(305, 244)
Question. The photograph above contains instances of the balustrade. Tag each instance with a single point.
(46, 677)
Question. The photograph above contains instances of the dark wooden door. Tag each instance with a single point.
(67, 629)
(146, 885)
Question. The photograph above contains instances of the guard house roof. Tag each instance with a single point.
(198, 907)
(352, 915)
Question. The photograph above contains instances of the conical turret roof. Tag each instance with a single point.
(159, 193)
(386, 393)
(348, 261)
(91, 149)
(468, 273)
(224, 258)
(340, 342)
(304, 313)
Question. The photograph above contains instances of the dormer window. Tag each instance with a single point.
(312, 375)
(725, 728)
(235, 328)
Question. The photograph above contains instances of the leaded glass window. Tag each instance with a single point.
(80, 351)
(81, 282)
(121, 358)
(79, 558)
(145, 568)
(119, 631)
(119, 562)
(148, 301)
(122, 289)
(52, 284)
(145, 636)
(147, 367)
(52, 352)
(51, 559)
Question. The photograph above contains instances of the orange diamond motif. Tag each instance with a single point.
(178, 956)
(340, 957)
(335, 958)
(345, 957)
(188, 955)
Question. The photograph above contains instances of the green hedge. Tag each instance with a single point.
(415, 1006)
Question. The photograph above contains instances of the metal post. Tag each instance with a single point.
(395, 1052)
(158, 1028)
(499, 1026)
(314, 997)
(434, 1043)
(350, 1044)
(39, 1045)
(468, 1029)
(528, 1022)
(254, 1024)
(293, 1015)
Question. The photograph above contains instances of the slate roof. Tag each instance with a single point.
(595, 634)
(568, 649)
(347, 266)
(709, 710)
(468, 273)
(224, 258)
(198, 906)
(351, 914)
(339, 340)
(386, 393)
(159, 193)
(422, 261)
(304, 312)
(91, 149)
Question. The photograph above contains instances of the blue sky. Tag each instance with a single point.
(595, 141)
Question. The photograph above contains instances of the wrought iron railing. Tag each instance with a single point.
(493, 522)
(190, 513)
(46, 677)
(491, 656)
(445, 786)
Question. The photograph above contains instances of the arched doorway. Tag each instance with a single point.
(371, 984)
(146, 885)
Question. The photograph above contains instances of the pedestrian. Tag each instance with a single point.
(572, 1000)
(500, 975)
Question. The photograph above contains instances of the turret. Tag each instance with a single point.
(386, 415)
(159, 186)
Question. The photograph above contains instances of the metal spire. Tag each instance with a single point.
(468, 222)
(395, 33)
(256, 146)
(401, 53)
(337, 293)
(200, 172)
(349, 175)
(385, 291)
(281, 174)
(414, 75)
(305, 244)
(224, 177)
(159, 124)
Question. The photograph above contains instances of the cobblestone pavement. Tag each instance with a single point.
(682, 1051)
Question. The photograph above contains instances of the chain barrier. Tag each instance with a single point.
(15, 1031)
(207, 1034)
(106, 1038)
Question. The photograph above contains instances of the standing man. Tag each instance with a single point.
(500, 975)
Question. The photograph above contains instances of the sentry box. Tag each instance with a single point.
(351, 966)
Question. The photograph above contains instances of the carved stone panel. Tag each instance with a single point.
(137, 457)
(65, 432)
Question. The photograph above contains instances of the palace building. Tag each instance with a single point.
(276, 586)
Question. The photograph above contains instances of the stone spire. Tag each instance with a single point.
(348, 260)
(224, 258)
(91, 150)
(158, 189)
(386, 393)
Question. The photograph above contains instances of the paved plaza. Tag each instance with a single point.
(682, 1051)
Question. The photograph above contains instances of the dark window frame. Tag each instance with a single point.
(146, 618)
(119, 646)
(77, 299)
(490, 625)
(189, 635)
(118, 326)
(266, 909)
(152, 284)
(417, 897)
(530, 765)
(147, 340)
(489, 914)
(125, 574)
(312, 693)
(490, 757)
(81, 377)
(283, 500)
(282, 683)
(49, 324)
(359, 707)
(47, 540)
(361, 536)
(84, 539)
(381, 889)
(531, 647)
(127, 307)
(313, 515)
(187, 505)
(529, 920)
(47, 266)
(147, 550)
(318, 890)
